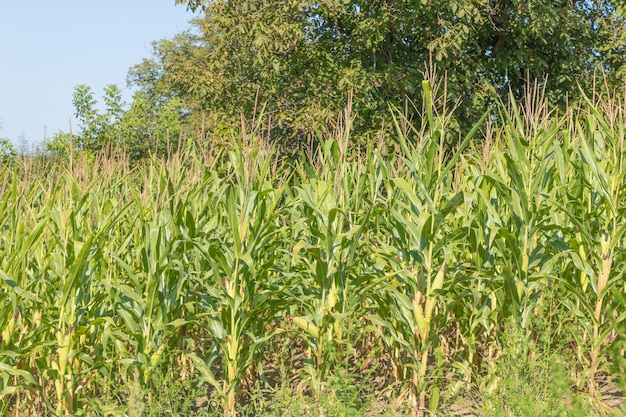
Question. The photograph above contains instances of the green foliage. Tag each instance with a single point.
(7, 151)
(138, 131)
(303, 58)
(60, 146)
(346, 284)
(147, 129)
(98, 130)
(302, 62)
(529, 380)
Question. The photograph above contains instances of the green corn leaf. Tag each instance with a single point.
(11, 370)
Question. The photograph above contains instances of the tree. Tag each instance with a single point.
(150, 129)
(7, 151)
(98, 130)
(302, 57)
(144, 127)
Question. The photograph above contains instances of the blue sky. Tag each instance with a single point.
(48, 47)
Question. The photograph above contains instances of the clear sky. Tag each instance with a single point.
(47, 47)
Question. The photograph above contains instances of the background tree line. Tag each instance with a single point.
(299, 62)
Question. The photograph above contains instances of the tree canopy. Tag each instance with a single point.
(301, 60)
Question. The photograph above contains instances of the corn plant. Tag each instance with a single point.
(21, 336)
(593, 237)
(241, 295)
(338, 259)
(53, 279)
(190, 266)
(418, 229)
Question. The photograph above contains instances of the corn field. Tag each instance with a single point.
(405, 266)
